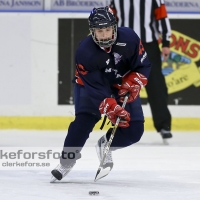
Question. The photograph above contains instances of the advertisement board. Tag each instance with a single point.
(183, 6)
(15, 70)
(77, 5)
(173, 6)
(181, 71)
(21, 5)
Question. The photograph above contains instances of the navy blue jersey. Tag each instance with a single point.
(100, 70)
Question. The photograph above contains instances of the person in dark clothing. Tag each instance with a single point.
(110, 63)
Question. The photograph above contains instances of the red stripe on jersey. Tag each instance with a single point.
(78, 79)
(160, 12)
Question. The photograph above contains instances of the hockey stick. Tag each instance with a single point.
(101, 172)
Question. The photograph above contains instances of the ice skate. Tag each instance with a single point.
(165, 134)
(63, 168)
(108, 162)
(60, 172)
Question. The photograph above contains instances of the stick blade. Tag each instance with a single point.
(103, 171)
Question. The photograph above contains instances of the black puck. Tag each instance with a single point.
(93, 193)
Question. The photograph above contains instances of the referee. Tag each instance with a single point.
(148, 18)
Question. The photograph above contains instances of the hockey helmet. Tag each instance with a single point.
(101, 18)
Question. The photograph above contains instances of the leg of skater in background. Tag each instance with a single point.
(157, 93)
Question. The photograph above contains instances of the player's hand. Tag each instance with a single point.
(110, 108)
(132, 83)
(165, 53)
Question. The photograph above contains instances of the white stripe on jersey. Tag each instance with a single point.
(126, 13)
(136, 19)
(147, 20)
(168, 28)
(118, 12)
(145, 23)
(158, 2)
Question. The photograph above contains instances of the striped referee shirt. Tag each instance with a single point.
(148, 18)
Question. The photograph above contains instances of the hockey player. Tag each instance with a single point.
(110, 63)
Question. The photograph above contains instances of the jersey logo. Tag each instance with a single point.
(117, 57)
(143, 57)
(81, 69)
(121, 44)
(115, 71)
(108, 70)
(107, 61)
(141, 48)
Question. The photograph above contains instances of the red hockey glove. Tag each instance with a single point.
(112, 110)
(132, 83)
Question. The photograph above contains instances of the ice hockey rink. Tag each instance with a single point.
(146, 170)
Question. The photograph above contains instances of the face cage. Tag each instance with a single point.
(105, 43)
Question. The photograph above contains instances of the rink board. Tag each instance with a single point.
(62, 123)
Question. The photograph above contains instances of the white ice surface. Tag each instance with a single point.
(147, 170)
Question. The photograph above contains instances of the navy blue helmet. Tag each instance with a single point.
(101, 18)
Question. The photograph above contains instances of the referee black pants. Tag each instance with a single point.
(156, 89)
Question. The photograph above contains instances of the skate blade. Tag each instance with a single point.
(165, 141)
(53, 179)
(102, 172)
(98, 151)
